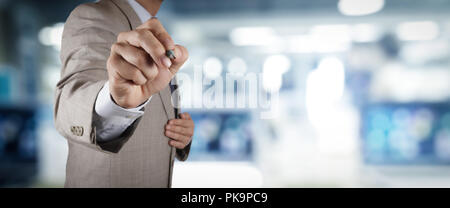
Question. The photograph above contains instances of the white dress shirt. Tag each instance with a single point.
(110, 119)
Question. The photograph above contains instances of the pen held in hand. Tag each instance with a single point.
(170, 54)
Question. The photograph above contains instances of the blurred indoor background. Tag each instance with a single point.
(364, 94)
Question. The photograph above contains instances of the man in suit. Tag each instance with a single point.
(114, 100)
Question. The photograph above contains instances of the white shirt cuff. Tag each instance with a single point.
(111, 119)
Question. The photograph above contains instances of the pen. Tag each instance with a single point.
(170, 54)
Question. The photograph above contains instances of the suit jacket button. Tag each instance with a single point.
(77, 130)
(81, 130)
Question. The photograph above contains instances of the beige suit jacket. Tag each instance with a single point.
(141, 157)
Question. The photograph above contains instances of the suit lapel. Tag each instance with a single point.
(166, 97)
(129, 12)
(134, 21)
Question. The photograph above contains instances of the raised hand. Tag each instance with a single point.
(138, 67)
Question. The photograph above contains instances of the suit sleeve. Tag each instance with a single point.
(86, 43)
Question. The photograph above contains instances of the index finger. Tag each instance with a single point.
(185, 116)
(181, 122)
(155, 26)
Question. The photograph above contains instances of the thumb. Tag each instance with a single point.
(181, 55)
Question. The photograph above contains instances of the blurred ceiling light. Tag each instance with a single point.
(360, 7)
(300, 44)
(339, 32)
(51, 76)
(364, 33)
(212, 67)
(330, 38)
(272, 82)
(403, 84)
(315, 44)
(253, 36)
(423, 30)
(278, 63)
(420, 53)
(44, 36)
(52, 36)
(237, 66)
(274, 68)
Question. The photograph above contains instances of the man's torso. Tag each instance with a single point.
(146, 159)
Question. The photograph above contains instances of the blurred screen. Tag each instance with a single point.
(18, 148)
(414, 133)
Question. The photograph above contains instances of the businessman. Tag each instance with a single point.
(114, 100)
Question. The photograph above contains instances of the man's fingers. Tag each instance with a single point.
(160, 32)
(181, 54)
(185, 116)
(177, 144)
(182, 122)
(145, 39)
(180, 130)
(125, 70)
(178, 137)
(137, 57)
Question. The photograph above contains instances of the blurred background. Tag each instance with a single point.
(364, 92)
